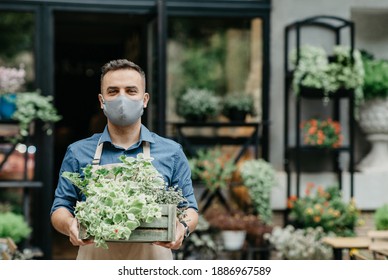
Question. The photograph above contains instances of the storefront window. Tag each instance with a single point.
(17, 31)
(223, 56)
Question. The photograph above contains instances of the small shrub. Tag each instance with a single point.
(381, 217)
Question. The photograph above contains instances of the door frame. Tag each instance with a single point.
(44, 70)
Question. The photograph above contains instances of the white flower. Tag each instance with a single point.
(11, 79)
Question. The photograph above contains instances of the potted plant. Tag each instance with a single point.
(291, 243)
(316, 70)
(198, 105)
(373, 116)
(134, 193)
(30, 107)
(14, 226)
(324, 208)
(322, 133)
(380, 217)
(213, 168)
(259, 177)
(237, 106)
(233, 226)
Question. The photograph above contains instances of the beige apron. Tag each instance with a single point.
(123, 250)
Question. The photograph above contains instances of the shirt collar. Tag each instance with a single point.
(145, 135)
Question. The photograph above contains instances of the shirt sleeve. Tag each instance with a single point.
(182, 178)
(66, 194)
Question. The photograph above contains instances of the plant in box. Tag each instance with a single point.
(121, 197)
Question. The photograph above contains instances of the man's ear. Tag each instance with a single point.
(146, 98)
(101, 99)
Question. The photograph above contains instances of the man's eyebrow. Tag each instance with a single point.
(128, 87)
(132, 87)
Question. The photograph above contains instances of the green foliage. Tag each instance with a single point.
(17, 32)
(31, 106)
(119, 198)
(240, 102)
(198, 104)
(203, 57)
(376, 78)
(213, 168)
(14, 226)
(315, 70)
(259, 177)
(381, 217)
(326, 209)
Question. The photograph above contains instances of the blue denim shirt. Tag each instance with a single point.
(168, 155)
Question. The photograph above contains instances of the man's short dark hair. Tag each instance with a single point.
(119, 64)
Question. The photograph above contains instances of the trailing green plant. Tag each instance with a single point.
(324, 208)
(259, 177)
(198, 104)
(14, 226)
(300, 244)
(380, 217)
(376, 78)
(32, 106)
(213, 168)
(121, 197)
(316, 70)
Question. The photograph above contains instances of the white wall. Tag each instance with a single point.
(371, 32)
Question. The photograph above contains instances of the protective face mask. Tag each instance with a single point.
(123, 111)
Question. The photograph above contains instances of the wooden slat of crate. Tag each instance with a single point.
(162, 229)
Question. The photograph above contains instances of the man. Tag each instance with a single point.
(123, 99)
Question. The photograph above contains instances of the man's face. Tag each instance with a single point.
(124, 81)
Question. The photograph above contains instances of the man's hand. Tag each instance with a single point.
(64, 222)
(191, 219)
(179, 236)
(74, 232)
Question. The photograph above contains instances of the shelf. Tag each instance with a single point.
(298, 156)
(20, 184)
(215, 124)
(314, 149)
(314, 93)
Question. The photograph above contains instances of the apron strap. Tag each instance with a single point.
(97, 155)
(146, 149)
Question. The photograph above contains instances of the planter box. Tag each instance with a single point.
(162, 229)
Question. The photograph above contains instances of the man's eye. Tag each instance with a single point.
(132, 91)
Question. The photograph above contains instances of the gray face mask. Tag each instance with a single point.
(123, 111)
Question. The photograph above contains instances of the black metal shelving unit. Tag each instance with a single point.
(25, 183)
(294, 153)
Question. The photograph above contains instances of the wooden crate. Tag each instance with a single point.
(162, 229)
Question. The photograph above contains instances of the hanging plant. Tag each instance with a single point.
(32, 106)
